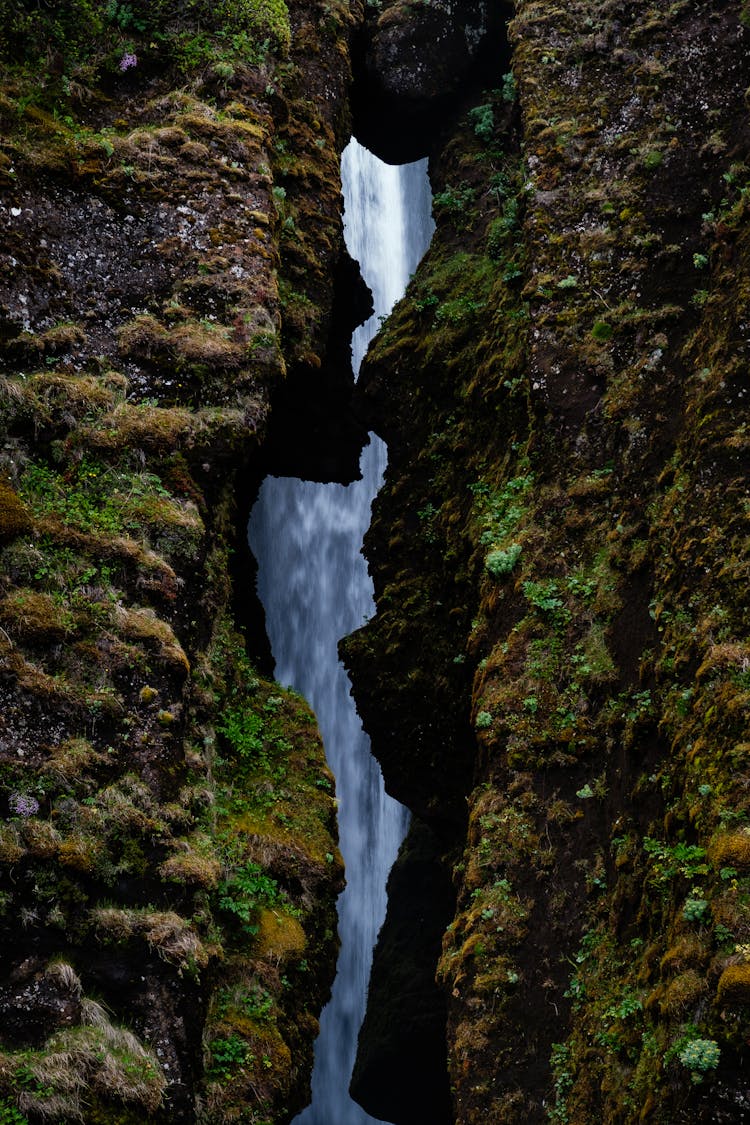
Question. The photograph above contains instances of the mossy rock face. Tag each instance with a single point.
(418, 62)
(146, 768)
(734, 986)
(558, 558)
(14, 518)
(732, 850)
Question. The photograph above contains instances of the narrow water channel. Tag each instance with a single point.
(314, 586)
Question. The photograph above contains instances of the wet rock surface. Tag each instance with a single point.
(400, 1073)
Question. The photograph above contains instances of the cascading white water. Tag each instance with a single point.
(314, 586)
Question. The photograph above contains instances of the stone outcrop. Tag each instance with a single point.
(414, 63)
(400, 1073)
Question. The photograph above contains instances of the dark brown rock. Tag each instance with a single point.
(413, 62)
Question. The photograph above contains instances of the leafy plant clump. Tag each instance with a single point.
(502, 562)
(227, 1055)
(90, 37)
(699, 1056)
(10, 1115)
(245, 891)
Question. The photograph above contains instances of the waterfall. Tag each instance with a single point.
(314, 586)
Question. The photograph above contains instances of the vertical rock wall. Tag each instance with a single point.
(171, 247)
(560, 558)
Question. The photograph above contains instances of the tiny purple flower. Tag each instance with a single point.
(23, 805)
(128, 61)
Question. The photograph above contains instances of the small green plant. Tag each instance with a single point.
(509, 88)
(545, 596)
(699, 1056)
(563, 1080)
(483, 720)
(227, 1056)
(483, 120)
(256, 1002)
(454, 199)
(641, 706)
(628, 1005)
(502, 230)
(499, 512)
(455, 204)
(695, 910)
(653, 160)
(10, 1115)
(457, 309)
(602, 331)
(688, 860)
(224, 70)
(245, 891)
(428, 301)
(612, 1035)
(724, 936)
(123, 16)
(243, 729)
(501, 562)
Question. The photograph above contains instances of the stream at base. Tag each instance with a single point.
(315, 588)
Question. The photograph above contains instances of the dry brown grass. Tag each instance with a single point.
(164, 931)
(195, 866)
(684, 992)
(32, 616)
(41, 838)
(73, 758)
(11, 848)
(51, 393)
(65, 975)
(98, 1056)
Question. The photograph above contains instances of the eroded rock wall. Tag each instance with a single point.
(560, 560)
(171, 251)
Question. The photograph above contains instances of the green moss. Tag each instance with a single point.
(14, 517)
(94, 34)
(602, 331)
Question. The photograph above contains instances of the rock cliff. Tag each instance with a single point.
(560, 560)
(171, 267)
(557, 678)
